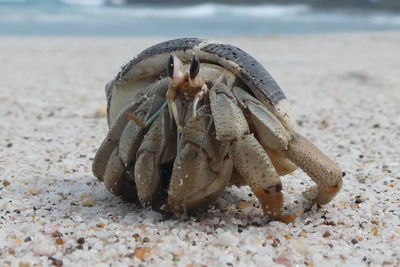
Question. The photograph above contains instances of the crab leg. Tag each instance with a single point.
(256, 168)
(249, 158)
(230, 123)
(198, 97)
(133, 132)
(325, 173)
(269, 131)
(116, 178)
(129, 142)
(276, 137)
(199, 177)
(112, 138)
(147, 166)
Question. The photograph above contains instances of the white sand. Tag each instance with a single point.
(345, 90)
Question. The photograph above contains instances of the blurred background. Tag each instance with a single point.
(195, 18)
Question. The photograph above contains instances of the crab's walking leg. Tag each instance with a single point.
(116, 180)
(285, 141)
(147, 172)
(133, 132)
(198, 97)
(253, 164)
(268, 129)
(325, 173)
(249, 158)
(199, 177)
(111, 141)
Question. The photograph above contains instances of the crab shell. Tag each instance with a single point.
(140, 88)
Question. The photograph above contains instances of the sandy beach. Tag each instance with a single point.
(345, 92)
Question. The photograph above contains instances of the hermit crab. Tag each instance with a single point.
(188, 117)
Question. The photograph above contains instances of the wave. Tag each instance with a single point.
(121, 7)
(94, 2)
(385, 20)
(107, 17)
(206, 10)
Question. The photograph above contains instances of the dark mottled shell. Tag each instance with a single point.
(249, 70)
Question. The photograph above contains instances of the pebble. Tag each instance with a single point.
(283, 261)
(33, 190)
(101, 112)
(244, 205)
(24, 264)
(326, 234)
(374, 231)
(43, 247)
(227, 239)
(154, 215)
(50, 229)
(300, 246)
(77, 218)
(88, 203)
(142, 253)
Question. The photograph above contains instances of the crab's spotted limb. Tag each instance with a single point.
(188, 117)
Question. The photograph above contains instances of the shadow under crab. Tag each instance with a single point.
(189, 117)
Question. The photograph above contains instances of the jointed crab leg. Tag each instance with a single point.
(203, 171)
(203, 91)
(249, 157)
(254, 165)
(111, 141)
(275, 137)
(147, 173)
(322, 170)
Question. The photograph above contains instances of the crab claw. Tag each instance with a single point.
(175, 70)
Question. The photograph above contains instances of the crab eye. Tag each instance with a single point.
(170, 67)
(194, 67)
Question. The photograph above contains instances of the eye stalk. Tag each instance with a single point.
(194, 73)
(194, 67)
(175, 70)
(170, 66)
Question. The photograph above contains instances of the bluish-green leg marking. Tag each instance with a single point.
(149, 120)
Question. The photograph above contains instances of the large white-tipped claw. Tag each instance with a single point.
(175, 70)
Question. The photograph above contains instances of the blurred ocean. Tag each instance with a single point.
(116, 18)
